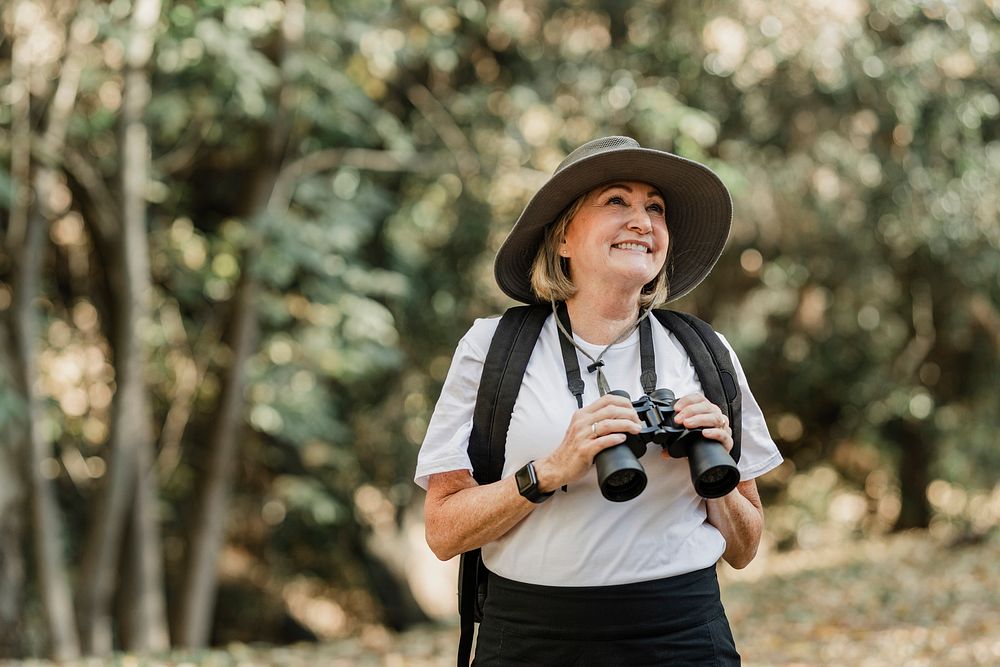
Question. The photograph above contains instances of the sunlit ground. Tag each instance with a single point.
(911, 599)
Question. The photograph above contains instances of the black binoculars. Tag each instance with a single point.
(621, 476)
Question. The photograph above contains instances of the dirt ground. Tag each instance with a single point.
(905, 600)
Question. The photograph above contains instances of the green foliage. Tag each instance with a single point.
(860, 286)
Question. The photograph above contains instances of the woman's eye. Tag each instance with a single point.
(618, 201)
(655, 208)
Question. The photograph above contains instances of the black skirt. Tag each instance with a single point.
(673, 621)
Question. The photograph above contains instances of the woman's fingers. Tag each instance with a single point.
(688, 400)
(705, 420)
(610, 406)
(597, 445)
(615, 413)
(722, 435)
(604, 427)
(608, 401)
(696, 411)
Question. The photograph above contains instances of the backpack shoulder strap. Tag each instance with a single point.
(499, 385)
(503, 369)
(713, 364)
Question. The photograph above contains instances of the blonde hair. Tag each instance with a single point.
(550, 279)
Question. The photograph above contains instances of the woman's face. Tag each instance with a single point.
(619, 236)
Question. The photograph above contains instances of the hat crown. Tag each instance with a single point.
(597, 147)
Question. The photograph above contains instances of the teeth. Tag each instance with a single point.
(630, 246)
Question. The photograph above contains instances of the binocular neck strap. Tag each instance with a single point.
(569, 347)
(647, 359)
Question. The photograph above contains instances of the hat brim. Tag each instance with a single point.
(699, 215)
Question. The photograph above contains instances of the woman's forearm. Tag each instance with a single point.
(740, 518)
(460, 515)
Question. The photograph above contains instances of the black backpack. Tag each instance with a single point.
(503, 370)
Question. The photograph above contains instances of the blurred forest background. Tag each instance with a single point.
(242, 237)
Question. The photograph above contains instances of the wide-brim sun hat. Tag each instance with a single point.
(699, 211)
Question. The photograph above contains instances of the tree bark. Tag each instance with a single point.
(131, 433)
(385, 565)
(144, 606)
(20, 136)
(14, 496)
(148, 619)
(27, 244)
(13, 504)
(198, 594)
(914, 439)
(51, 569)
(916, 455)
(194, 622)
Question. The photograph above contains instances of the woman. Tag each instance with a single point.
(575, 579)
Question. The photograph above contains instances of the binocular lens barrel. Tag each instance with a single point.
(713, 472)
(619, 474)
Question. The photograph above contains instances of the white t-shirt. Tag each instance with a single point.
(578, 538)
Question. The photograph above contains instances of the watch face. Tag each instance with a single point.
(527, 484)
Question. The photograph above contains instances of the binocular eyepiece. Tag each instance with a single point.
(621, 476)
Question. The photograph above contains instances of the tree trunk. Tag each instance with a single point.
(387, 580)
(148, 622)
(914, 439)
(14, 495)
(13, 499)
(11, 560)
(131, 434)
(27, 245)
(52, 575)
(145, 605)
(20, 136)
(916, 452)
(194, 621)
(143, 608)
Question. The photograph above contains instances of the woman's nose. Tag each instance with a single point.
(641, 222)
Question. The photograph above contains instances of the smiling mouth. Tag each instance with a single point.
(634, 247)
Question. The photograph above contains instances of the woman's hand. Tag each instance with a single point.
(460, 514)
(738, 515)
(696, 411)
(593, 428)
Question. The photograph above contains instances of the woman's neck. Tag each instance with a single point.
(601, 318)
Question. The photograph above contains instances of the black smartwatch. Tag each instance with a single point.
(527, 484)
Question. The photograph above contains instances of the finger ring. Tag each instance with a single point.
(593, 429)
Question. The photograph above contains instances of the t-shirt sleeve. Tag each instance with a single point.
(446, 443)
(758, 453)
